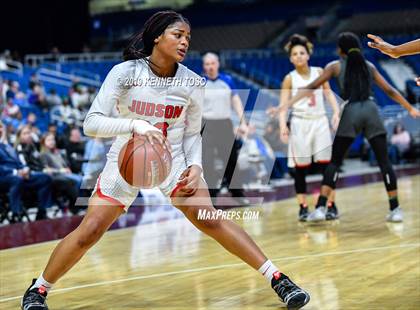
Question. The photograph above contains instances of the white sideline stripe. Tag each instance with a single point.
(408, 245)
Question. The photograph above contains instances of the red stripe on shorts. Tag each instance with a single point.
(105, 197)
(323, 161)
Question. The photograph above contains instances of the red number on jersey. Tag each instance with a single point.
(163, 126)
(312, 100)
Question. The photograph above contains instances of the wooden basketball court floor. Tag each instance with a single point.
(359, 262)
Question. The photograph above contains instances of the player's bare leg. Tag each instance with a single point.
(230, 235)
(331, 196)
(99, 217)
(301, 198)
(234, 239)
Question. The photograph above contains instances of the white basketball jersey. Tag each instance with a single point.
(131, 88)
(311, 106)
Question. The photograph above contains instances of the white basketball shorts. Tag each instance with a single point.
(309, 138)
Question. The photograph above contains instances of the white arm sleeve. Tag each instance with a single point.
(99, 121)
(192, 138)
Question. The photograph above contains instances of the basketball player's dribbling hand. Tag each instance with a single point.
(284, 134)
(153, 136)
(151, 132)
(190, 180)
(414, 113)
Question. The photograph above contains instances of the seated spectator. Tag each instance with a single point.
(67, 113)
(29, 155)
(3, 89)
(92, 92)
(16, 178)
(59, 138)
(14, 91)
(400, 144)
(37, 97)
(55, 163)
(256, 157)
(75, 148)
(272, 135)
(31, 120)
(3, 63)
(53, 99)
(11, 114)
(399, 147)
(95, 159)
(11, 133)
(80, 97)
(34, 81)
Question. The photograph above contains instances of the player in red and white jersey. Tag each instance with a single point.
(308, 135)
(130, 102)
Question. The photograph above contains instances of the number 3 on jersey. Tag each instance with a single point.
(162, 126)
(312, 101)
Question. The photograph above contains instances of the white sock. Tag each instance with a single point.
(42, 282)
(267, 269)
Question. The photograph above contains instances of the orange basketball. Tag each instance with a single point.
(143, 164)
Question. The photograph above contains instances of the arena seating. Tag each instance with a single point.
(401, 21)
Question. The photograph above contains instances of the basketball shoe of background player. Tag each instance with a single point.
(395, 216)
(332, 213)
(303, 214)
(318, 215)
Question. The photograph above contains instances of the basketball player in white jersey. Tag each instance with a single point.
(130, 102)
(309, 134)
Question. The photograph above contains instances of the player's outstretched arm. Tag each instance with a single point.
(394, 51)
(392, 92)
(332, 100)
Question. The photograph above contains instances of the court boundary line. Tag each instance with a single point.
(223, 266)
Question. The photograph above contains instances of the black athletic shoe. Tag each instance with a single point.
(34, 299)
(292, 295)
(332, 213)
(303, 214)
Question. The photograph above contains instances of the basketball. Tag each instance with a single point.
(143, 164)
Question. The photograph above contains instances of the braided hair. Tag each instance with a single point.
(141, 44)
(357, 77)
